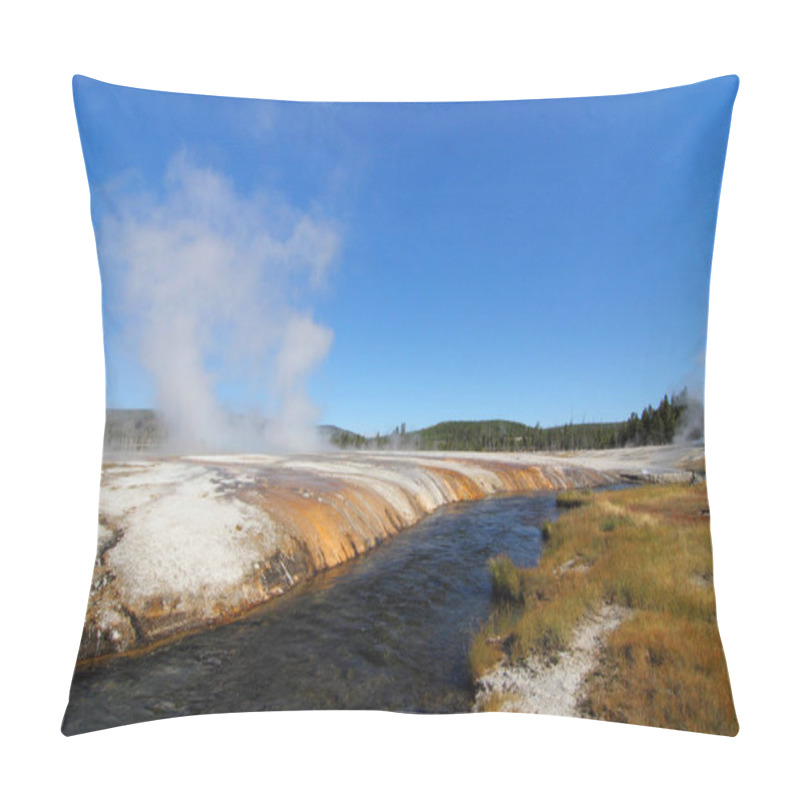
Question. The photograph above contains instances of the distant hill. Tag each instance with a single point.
(503, 435)
(339, 437)
(678, 415)
(499, 434)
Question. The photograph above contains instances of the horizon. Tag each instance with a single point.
(412, 431)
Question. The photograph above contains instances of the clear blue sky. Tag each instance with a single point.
(534, 261)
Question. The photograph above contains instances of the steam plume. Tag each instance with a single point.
(212, 293)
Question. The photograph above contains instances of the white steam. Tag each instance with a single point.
(305, 344)
(211, 294)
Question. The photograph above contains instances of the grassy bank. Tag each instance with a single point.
(649, 550)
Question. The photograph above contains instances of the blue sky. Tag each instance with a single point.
(538, 261)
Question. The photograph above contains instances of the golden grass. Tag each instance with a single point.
(668, 672)
(648, 549)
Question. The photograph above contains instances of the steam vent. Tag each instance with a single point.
(185, 543)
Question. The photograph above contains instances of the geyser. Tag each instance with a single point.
(212, 289)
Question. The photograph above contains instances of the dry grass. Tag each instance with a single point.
(668, 672)
(648, 549)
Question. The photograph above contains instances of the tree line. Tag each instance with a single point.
(657, 425)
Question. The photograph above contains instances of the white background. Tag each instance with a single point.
(52, 387)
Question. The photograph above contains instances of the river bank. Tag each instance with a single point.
(545, 685)
(616, 622)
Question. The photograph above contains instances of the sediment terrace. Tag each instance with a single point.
(188, 542)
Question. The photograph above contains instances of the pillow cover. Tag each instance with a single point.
(328, 326)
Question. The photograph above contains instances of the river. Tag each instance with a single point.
(390, 630)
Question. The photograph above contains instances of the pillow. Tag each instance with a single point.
(404, 407)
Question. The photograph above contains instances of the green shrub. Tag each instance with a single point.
(506, 580)
(573, 498)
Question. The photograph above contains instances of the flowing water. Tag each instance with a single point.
(390, 630)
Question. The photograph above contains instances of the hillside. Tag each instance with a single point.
(674, 415)
(505, 435)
